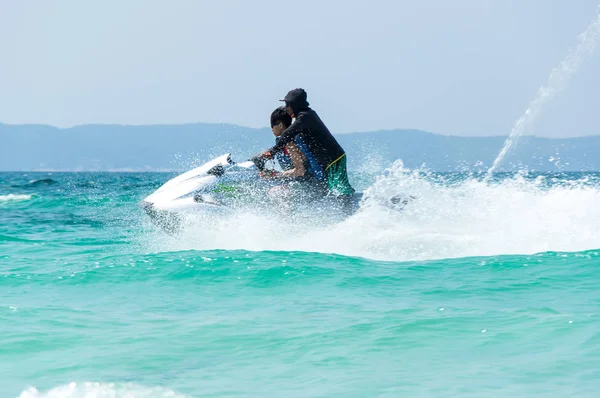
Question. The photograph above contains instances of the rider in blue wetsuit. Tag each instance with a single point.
(297, 162)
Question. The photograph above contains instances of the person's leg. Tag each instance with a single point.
(337, 179)
(339, 185)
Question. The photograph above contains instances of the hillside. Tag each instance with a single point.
(176, 147)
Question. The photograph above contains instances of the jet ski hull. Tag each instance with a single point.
(221, 186)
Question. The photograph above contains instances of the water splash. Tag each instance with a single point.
(559, 77)
(452, 216)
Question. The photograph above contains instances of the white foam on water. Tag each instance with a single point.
(14, 197)
(446, 220)
(100, 390)
(559, 77)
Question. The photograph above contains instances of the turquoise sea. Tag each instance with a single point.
(474, 290)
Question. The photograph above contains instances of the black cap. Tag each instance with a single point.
(295, 95)
(296, 99)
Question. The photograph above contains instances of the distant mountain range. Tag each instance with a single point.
(179, 147)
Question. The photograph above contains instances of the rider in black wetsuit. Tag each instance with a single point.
(325, 154)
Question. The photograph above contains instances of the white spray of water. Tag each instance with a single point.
(559, 77)
(447, 220)
(100, 390)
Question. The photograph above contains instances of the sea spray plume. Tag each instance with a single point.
(559, 77)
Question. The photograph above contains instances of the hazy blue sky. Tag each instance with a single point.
(467, 67)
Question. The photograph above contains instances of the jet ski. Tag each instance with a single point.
(222, 185)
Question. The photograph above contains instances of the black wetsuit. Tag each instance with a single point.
(325, 155)
(320, 142)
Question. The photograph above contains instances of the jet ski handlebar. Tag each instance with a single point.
(259, 161)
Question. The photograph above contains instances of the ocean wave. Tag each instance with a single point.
(36, 183)
(8, 238)
(259, 269)
(42, 181)
(101, 390)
